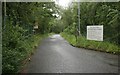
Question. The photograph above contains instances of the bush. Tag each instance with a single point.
(16, 47)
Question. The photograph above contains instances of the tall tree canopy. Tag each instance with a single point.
(18, 26)
(97, 13)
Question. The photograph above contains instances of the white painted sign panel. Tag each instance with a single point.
(95, 32)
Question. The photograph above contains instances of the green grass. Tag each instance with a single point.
(31, 44)
(50, 34)
(14, 59)
(82, 42)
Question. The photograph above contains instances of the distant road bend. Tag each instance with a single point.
(56, 55)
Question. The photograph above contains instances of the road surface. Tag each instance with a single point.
(56, 55)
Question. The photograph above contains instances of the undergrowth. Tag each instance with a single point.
(90, 44)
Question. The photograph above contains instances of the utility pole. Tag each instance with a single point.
(4, 13)
(79, 18)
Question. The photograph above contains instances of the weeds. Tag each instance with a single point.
(90, 44)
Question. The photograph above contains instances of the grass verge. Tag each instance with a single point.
(82, 42)
(31, 46)
(15, 58)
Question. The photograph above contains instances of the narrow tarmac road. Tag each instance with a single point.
(55, 55)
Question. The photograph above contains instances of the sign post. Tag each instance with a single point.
(95, 32)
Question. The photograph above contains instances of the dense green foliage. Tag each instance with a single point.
(106, 14)
(19, 36)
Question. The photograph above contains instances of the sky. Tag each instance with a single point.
(63, 3)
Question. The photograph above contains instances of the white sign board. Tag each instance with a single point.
(95, 32)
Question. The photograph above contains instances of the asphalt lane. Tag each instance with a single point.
(56, 55)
